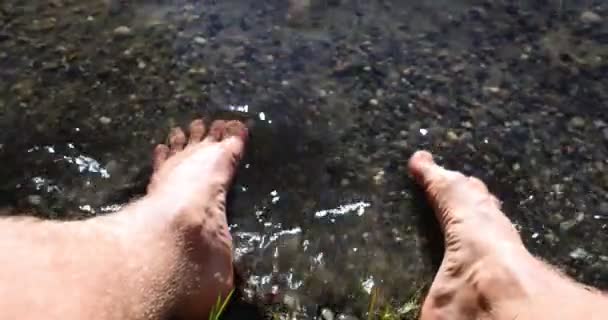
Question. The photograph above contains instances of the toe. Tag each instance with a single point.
(443, 187)
(235, 129)
(477, 185)
(235, 135)
(197, 131)
(453, 195)
(216, 131)
(161, 153)
(177, 140)
(420, 165)
(426, 172)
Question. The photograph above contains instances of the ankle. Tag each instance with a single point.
(510, 274)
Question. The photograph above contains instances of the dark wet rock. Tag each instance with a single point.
(478, 13)
(298, 12)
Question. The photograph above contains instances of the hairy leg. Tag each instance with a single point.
(487, 273)
(167, 253)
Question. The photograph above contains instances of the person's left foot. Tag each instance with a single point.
(191, 178)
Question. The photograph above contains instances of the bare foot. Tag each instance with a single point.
(191, 178)
(485, 263)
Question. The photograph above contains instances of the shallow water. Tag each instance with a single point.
(338, 94)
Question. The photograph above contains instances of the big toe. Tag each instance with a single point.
(453, 195)
(234, 135)
(428, 174)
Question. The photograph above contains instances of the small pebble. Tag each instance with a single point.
(123, 31)
(373, 102)
(105, 120)
(452, 136)
(590, 17)
(579, 254)
(344, 182)
(290, 301)
(34, 199)
(200, 40)
(492, 89)
(565, 226)
(577, 122)
(327, 314)
(379, 177)
(551, 238)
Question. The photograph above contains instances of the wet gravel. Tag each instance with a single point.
(338, 95)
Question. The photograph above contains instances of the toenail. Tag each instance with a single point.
(217, 129)
(235, 128)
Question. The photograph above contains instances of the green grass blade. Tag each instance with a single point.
(228, 297)
(372, 304)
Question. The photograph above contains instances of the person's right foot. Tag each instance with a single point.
(485, 262)
(192, 175)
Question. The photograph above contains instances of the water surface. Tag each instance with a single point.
(338, 94)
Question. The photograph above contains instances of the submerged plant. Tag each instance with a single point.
(408, 310)
(220, 306)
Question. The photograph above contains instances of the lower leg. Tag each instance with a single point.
(487, 273)
(167, 253)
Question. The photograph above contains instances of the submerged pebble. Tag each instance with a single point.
(34, 200)
(578, 122)
(579, 254)
(105, 120)
(590, 17)
(327, 314)
(347, 317)
(123, 31)
(200, 40)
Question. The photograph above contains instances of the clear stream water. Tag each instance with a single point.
(338, 93)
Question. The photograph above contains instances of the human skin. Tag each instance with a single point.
(170, 252)
(487, 273)
(166, 254)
